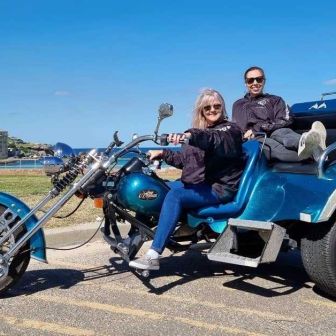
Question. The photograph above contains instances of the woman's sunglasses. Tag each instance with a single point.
(251, 80)
(207, 108)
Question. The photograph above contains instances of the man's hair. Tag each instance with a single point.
(254, 68)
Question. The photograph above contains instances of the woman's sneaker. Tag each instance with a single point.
(313, 142)
(321, 130)
(146, 263)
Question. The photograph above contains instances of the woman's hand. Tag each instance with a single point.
(248, 135)
(178, 138)
(155, 154)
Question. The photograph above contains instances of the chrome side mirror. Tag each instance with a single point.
(165, 110)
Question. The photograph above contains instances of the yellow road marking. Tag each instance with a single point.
(321, 303)
(206, 304)
(115, 287)
(102, 306)
(211, 327)
(45, 326)
(143, 314)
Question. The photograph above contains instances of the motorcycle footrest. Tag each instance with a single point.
(121, 248)
(271, 233)
(200, 246)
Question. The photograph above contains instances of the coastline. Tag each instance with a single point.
(9, 160)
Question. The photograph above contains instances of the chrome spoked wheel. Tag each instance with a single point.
(13, 269)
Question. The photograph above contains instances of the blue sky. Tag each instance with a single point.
(75, 71)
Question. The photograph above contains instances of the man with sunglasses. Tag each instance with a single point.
(261, 112)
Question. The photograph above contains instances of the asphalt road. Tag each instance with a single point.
(89, 291)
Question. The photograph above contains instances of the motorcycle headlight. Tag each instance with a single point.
(63, 150)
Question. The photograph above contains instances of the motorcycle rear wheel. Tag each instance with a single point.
(20, 261)
(318, 250)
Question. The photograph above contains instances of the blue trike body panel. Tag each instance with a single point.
(281, 196)
(266, 194)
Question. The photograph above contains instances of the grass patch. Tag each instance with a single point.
(25, 185)
(32, 186)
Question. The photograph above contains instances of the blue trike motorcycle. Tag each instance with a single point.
(278, 206)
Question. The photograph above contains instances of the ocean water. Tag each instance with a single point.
(127, 156)
(37, 163)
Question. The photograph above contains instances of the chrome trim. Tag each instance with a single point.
(323, 157)
(328, 209)
(4, 267)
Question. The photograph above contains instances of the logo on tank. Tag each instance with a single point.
(148, 195)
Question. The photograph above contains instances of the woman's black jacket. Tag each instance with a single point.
(264, 113)
(214, 155)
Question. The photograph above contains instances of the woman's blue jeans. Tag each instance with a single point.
(181, 196)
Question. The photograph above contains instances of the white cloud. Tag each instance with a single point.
(330, 82)
(62, 93)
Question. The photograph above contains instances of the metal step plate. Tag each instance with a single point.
(271, 233)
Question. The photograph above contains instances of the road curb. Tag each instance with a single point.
(76, 234)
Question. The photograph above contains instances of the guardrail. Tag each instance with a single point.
(21, 164)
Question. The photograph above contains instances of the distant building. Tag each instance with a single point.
(3, 144)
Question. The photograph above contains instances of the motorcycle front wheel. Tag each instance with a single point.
(19, 262)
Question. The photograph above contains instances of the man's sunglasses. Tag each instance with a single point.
(207, 108)
(251, 80)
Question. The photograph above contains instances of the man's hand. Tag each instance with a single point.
(267, 127)
(248, 135)
(155, 154)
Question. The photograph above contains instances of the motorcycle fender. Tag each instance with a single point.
(37, 241)
(287, 196)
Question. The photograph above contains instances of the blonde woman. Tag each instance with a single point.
(211, 164)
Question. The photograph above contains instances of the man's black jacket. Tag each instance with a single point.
(264, 113)
(214, 155)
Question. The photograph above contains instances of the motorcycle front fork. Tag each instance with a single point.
(14, 248)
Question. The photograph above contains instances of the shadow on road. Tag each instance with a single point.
(282, 277)
(40, 280)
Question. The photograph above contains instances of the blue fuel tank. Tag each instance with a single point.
(142, 193)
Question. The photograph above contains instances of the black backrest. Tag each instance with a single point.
(305, 114)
